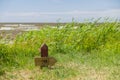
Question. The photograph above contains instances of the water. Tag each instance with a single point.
(18, 27)
(7, 28)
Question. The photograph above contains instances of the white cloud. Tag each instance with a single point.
(114, 12)
(65, 16)
(56, 0)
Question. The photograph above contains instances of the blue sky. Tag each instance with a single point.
(54, 10)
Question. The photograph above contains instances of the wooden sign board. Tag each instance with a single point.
(45, 61)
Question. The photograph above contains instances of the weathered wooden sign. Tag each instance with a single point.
(44, 60)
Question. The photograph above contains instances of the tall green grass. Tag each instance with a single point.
(86, 37)
(74, 38)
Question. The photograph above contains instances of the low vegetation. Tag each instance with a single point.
(83, 51)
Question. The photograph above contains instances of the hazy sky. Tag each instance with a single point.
(53, 10)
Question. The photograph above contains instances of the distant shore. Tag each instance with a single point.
(29, 23)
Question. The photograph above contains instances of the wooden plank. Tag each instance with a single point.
(45, 61)
(52, 61)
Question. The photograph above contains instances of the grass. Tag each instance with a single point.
(89, 51)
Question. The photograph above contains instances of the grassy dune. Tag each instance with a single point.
(85, 52)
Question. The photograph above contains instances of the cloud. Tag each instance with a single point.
(56, 1)
(114, 12)
(65, 16)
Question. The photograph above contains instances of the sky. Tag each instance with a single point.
(57, 10)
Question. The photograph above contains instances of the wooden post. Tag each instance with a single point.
(44, 60)
(44, 50)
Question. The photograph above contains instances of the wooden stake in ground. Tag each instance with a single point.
(44, 50)
(44, 60)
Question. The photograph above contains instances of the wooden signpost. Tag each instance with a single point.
(44, 60)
